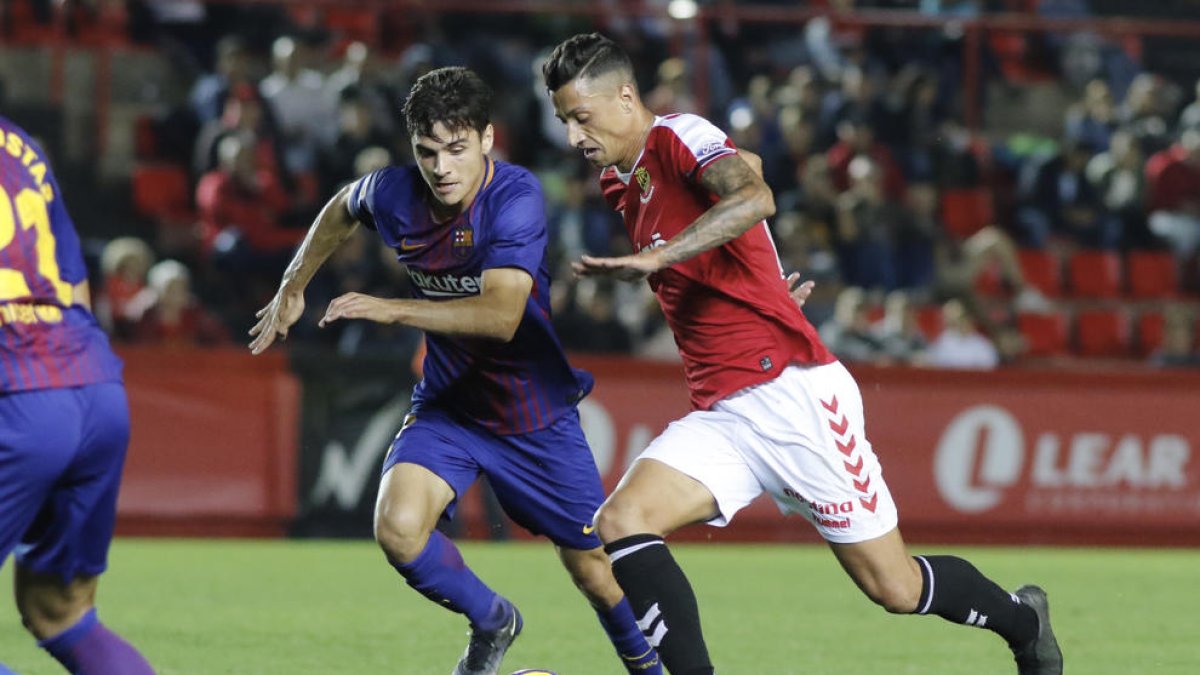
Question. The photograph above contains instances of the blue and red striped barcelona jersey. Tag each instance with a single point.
(46, 341)
(509, 388)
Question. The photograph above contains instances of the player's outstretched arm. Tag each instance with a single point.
(332, 226)
(493, 314)
(744, 201)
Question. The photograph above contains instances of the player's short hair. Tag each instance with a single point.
(584, 55)
(454, 96)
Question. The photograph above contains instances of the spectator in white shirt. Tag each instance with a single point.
(297, 96)
(961, 345)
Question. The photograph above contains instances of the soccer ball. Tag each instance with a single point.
(534, 671)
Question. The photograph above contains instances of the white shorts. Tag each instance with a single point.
(799, 438)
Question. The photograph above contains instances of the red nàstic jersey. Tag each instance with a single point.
(734, 322)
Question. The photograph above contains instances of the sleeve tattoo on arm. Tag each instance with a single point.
(727, 175)
(740, 208)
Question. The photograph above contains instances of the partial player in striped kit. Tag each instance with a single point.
(64, 420)
(498, 397)
(774, 410)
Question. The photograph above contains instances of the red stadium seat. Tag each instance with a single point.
(104, 23)
(1046, 334)
(161, 190)
(1149, 332)
(23, 25)
(1016, 57)
(145, 138)
(1042, 270)
(162, 193)
(929, 320)
(990, 282)
(1152, 274)
(966, 211)
(353, 23)
(1095, 274)
(1103, 332)
(875, 312)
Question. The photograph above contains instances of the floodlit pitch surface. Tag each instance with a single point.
(288, 607)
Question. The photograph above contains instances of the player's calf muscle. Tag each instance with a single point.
(897, 596)
(592, 575)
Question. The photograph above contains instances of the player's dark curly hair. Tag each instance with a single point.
(454, 96)
(590, 55)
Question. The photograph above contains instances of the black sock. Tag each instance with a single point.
(954, 590)
(663, 602)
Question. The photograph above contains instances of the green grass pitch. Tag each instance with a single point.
(336, 608)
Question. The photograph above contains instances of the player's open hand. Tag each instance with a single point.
(799, 292)
(359, 306)
(626, 268)
(275, 319)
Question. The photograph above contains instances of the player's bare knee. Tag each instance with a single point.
(402, 537)
(611, 525)
(620, 518)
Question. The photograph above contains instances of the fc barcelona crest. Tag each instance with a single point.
(462, 241)
(643, 181)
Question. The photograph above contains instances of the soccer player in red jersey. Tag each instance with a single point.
(775, 411)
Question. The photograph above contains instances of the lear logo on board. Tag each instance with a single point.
(984, 453)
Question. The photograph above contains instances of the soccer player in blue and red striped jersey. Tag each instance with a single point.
(64, 420)
(498, 397)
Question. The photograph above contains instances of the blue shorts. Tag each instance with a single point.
(545, 480)
(61, 455)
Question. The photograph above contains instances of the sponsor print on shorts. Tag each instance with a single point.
(831, 515)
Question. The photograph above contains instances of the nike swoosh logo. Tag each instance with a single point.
(589, 528)
(405, 246)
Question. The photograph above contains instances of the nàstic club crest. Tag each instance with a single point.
(643, 181)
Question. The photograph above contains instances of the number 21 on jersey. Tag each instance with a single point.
(28, 210)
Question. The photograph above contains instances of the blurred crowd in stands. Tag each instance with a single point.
(932, 244)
